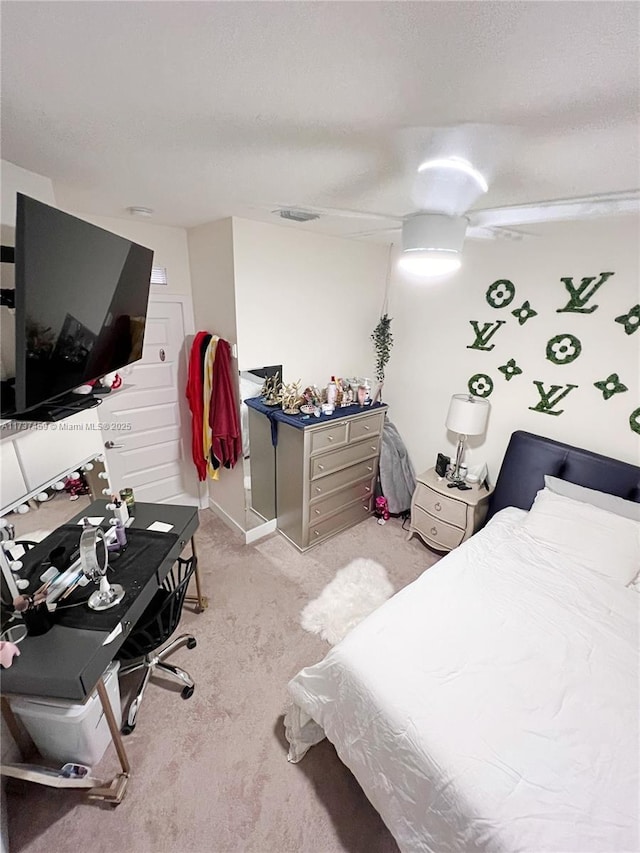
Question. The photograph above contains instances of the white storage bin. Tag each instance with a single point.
(66, 731)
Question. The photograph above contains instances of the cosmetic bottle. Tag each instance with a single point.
(121, 534)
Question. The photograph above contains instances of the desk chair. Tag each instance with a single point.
(155, 626)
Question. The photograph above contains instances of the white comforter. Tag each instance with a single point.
(492, 704)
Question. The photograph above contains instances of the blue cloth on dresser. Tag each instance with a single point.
(276, 415)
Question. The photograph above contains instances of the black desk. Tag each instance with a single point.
(67, 663)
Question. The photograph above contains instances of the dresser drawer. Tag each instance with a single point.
(325, 506)
(439, 533)
(345, 477)
(329, 436)
(329, 462)
(447, 509)
(363, 427)
(345, 518)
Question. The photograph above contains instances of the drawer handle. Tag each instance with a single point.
(329, 438)
(434, 531)
(373, 447)
(367, 488)
(369, 468)
(318, 489)
(317, 512)
(366, 428)
(316, 533)
(365, 507)
(437, 506)
(320, 467)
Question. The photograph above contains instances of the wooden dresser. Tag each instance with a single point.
(325, 475)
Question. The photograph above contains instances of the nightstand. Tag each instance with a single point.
(443, 517)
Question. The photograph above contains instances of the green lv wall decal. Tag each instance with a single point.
(550, 398)
(484, 334)
(579, 296)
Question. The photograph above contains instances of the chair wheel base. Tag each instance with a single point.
(187, 692)
(191, 643)
(127, 729)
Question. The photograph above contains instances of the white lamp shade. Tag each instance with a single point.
(467, 415)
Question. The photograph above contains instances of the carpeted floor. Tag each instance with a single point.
(210, 775)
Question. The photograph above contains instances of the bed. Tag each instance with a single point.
(492, 705)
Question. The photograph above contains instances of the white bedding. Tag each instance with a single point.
(491, 705)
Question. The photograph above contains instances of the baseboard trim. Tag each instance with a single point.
(260, 531)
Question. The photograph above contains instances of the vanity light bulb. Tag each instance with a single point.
(8, 545)
(22, 583)
(100, 459)
(106, 491)
(103, 475)
(88, 466)
(110, 506)
(59, 486)
(75, 475)
(15, 565)
(42, 497)
(22, 509)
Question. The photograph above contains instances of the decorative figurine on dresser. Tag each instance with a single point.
(444, 517)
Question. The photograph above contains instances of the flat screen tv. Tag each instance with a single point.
(81, 297)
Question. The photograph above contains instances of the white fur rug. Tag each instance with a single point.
(355, 592)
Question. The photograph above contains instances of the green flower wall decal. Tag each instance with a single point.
(563, 349)
(500, 293)
(610, 386)
(524, 313)
(510, 369)
(480, 384)
(634, 420)
(630, 320)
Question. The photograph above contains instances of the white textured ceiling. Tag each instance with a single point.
(208, 109)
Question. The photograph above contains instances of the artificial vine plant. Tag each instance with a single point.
(382, 337)
(382, 343)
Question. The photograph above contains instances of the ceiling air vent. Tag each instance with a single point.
(298, 215)
(158, 275)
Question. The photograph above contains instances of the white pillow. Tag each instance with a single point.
(612, 503)
(592, 537)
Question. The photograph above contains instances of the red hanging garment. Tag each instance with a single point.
(194, 396)
(226, 444)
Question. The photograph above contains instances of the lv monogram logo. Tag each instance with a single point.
(484, 334)
(550, 398)
(579, 296)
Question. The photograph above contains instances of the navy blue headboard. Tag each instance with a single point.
(529, 457)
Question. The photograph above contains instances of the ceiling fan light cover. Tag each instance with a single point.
(426, 264)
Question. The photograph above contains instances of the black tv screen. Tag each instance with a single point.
(81, 302)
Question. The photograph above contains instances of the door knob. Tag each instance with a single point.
(111, 446)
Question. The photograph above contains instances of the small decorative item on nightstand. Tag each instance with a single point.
(442, 518)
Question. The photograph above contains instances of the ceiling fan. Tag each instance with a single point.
(444, 187)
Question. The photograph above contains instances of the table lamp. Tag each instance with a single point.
(467, 415)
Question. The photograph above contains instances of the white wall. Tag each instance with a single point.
(18, 180)
(306, 301)
(431, 359)
(214, 304)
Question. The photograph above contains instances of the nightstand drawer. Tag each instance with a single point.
(350, 515)
(329, 436)
(330, 504)
(363, 427)
(438, 532)
(329, 462)
(441, 507)
(346, 477)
